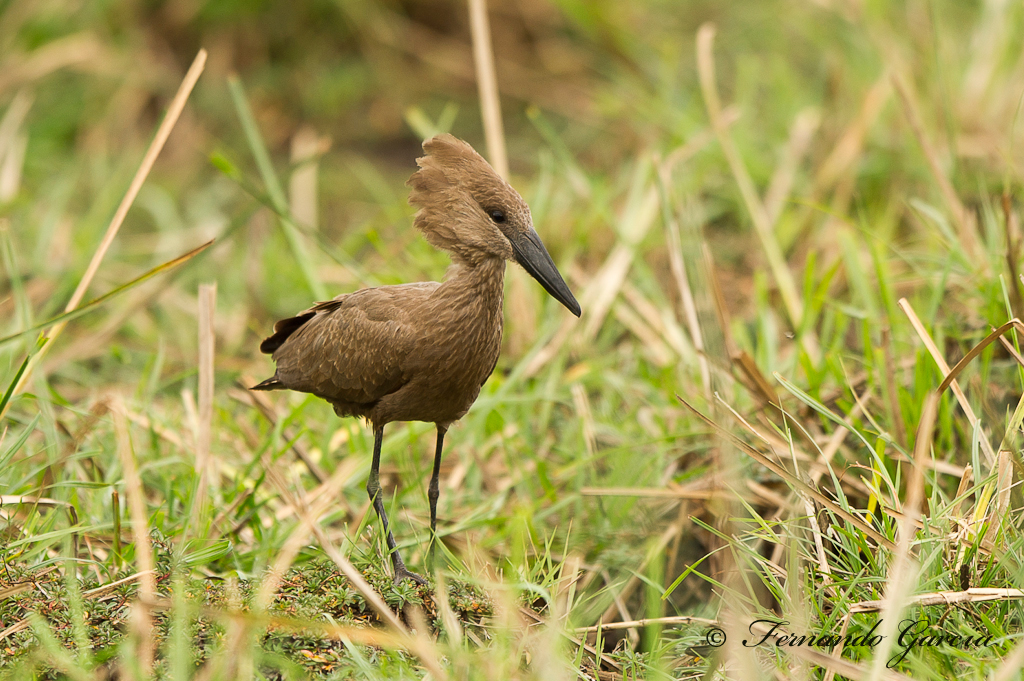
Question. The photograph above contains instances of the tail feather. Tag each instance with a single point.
(270, 384)
(282, 330)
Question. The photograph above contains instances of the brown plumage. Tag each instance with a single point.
(421, 352)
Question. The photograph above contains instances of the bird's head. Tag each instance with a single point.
(467, 209)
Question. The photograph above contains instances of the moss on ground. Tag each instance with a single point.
(315, 592)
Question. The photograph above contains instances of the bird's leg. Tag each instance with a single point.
(373, 489)
(433, 492)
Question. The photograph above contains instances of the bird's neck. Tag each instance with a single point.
(475, 287)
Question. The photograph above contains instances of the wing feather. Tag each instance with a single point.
(353, 349)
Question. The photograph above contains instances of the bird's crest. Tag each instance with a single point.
(450, 163)
(455, 190)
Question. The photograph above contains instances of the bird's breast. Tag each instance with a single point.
(467, 354)
(453, 362)
(456, 348)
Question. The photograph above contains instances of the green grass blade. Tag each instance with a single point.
(17, 444)
(274, 189)
(96, 302)
(231, 171)
(17, 377)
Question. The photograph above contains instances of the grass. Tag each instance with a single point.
(785, 232)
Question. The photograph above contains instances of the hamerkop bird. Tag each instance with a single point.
(421, 352)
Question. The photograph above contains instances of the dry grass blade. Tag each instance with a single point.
(343, 563)
(487, 82)
(1012, 236)
(582, 404)
(307, 147)
(963, 219)
(848, 149)
(252, 619)
(1011, 351)
(661, 320)
(91, 594)
(565, 592)
(448, 619)
(605, 658)
(140, 533)
(758, 215)
(837, 652)
(20, 499)
(819, 546)
(933, 350)
(650, 340)
(1004, 483)
(102, 590)
(10, 124)
(800, 135)
(678, 267)
(9, 591)
(965, 483)
(599, 294)
(77, 48)
(155, 147)
(977, 350)
(676, 619)
(603, 289)
(654, 493)
(792, 480)
(922, 455)
(1011, 666)
(522, 302)
(978, 595)
(20, 625)
(286, 555)
(761, 386)
(266, 407)
(207, 341)
(65, 317)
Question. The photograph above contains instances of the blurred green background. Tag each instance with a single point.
(883, 145)
(589, 91)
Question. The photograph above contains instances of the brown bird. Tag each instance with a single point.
(421, 352)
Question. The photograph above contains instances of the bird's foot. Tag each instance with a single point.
(403, 572)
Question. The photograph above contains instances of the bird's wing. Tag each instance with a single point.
(354, 348)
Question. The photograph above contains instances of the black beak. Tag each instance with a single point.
(531, 254)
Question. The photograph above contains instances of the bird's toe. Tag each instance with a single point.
(403, 573)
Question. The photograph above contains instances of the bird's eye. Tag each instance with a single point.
(497, 215)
